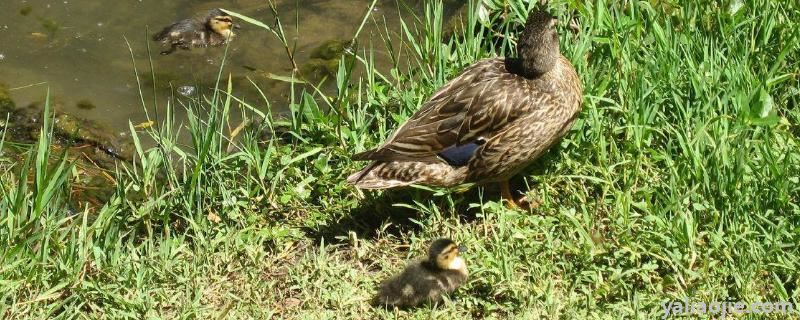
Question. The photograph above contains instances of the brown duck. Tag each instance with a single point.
(487, 124)
(425, 280)
(213, 30)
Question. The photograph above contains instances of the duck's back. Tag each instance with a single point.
(178, 30)
(552, 102)
(483, 126)
(477, 103)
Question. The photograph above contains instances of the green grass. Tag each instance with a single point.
(680, 180)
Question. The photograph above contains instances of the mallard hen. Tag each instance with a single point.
(487, 124)
(213, 30)
(425, 280)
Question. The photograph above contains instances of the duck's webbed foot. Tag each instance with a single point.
(574, 26)
(170, 50)
(523, 203)
(528, 203)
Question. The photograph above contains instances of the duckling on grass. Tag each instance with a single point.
(487, 124)
(213, 30)
(425, 280)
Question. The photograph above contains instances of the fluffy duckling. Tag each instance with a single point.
(214, 30)
(487, 124)
(425, 280)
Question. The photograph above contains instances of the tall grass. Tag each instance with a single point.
(680, 180)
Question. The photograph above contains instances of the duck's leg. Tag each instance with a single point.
(505, 192)
(170, 50)
(524, 202)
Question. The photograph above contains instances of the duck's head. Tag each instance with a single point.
(538, 47)
(444, 254)
(221, 23)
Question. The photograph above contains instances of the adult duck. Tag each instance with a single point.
(487, 124)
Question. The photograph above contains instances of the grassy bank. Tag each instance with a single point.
(680, 180)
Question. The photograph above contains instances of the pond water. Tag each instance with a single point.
(78, 49)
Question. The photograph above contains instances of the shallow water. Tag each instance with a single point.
(78, 49)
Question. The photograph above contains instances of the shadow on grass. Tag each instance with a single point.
(375, 215)
(389, 212)
(379, 213)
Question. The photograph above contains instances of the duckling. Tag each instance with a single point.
(487, 124)
(425, 280)
(214, 30)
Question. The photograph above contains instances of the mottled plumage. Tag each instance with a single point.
(425, 280)
(488, 123)
(213, 30)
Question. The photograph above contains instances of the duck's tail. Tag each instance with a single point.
(160, 36)
(384, 175)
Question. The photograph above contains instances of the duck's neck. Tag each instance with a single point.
(536, 67)
(457, 264)
(227, 34)
(534, 60)
(531, 68)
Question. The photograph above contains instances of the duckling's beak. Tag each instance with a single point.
(462, 249)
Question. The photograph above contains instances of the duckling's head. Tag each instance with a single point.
(538, 47)
(221, 23)
(444, 254)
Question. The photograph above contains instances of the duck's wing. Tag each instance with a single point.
(176, 31)
(164, 33)
(467, 110)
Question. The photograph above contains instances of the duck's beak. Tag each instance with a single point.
(462, 249)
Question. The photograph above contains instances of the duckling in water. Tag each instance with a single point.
(214, 30)
(425, 280)
(487, 124)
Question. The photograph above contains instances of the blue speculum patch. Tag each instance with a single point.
(459, 155)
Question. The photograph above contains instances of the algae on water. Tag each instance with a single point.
(6, 103)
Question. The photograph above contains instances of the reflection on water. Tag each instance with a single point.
(79, 49)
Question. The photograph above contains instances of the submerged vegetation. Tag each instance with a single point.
(679, 181)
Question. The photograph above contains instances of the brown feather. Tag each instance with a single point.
(471, 109)
(516, 107)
